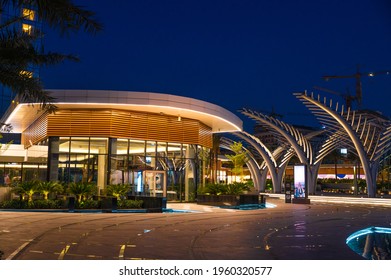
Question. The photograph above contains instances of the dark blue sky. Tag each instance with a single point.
(243, 53)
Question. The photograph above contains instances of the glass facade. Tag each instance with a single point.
(152, 152)
(149, 168)
(13, 172)
(79, 157)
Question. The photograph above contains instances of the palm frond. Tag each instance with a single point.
(63, 15)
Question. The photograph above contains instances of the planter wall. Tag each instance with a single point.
(248, 199)
(151, 203)
(217, 200)
(109, 204)
(230, 200)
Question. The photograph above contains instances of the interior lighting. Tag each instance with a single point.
(26, 28)
(26, 74)
(28, 14)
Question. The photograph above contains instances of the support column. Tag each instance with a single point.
(189, 172)
(53, 158)
(374, 168)
(280, 175)
(102, 171)
(313, 177)
(111, 162)
(262, 182)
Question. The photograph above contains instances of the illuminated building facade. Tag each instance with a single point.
(151, 141)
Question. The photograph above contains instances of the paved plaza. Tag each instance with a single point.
(315, 231)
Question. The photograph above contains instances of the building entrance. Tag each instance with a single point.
(155, 183)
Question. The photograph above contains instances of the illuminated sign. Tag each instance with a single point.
(299, 181)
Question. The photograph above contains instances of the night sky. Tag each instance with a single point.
(243, 53)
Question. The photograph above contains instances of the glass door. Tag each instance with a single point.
(155, 183)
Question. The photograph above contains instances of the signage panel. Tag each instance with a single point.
(300, 186)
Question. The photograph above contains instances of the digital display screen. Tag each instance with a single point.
(299, 181)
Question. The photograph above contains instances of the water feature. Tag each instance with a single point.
(373, 243)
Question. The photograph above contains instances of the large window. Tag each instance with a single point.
(82, 159)
(27, 28)
(28, 14)
(127, 159)
(12, 173)
(124, 161)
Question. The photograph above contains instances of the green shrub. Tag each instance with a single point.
(235, 188)
(118, 190)
(82, 190)
(88, 204)
(130, 204)
(213, 189)
(14, 204)
(45, 204)
(27, 188)
(33, 204)
(49, 187)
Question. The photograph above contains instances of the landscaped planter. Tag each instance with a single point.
(151, 203)
(249, 199)
(218, 200)
(109, 204)
(106, 204)
(231, 200)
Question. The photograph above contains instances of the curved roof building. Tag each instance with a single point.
(215, 117)
(111, 137)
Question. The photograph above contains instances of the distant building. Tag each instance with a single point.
(28, 24)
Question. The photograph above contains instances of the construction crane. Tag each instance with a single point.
(346, 96)
(357, 76)
(272, 113)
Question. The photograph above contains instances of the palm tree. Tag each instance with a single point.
(17, 53)
(17, 48)
(117, 190)
(239, 158)
(46, 187)
(26, 188)
(82, 190)
(62, 15)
